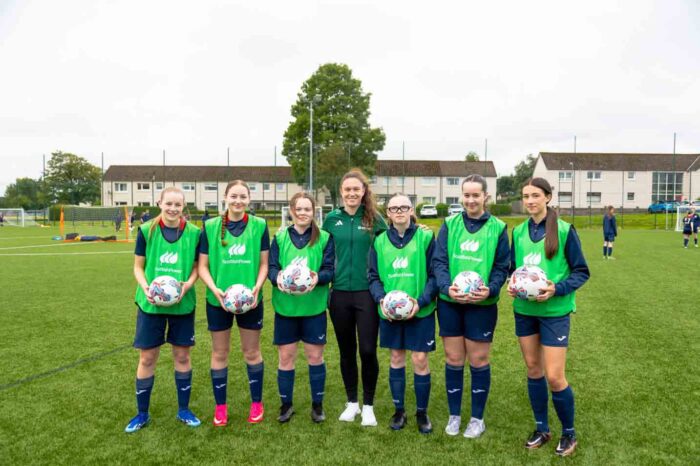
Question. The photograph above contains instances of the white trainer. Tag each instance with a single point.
(453, 425)
(475, 428)
(368, 418)
(351, 410)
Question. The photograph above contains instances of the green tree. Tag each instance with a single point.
(70, 179)
(26, 193)
(471, 157)
(505, 185)
(342, 135)
(523, 171)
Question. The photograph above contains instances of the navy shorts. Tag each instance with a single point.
(686, 231)
(218, 319)
(476, 323)
(417, 334)
(553, 331)
(609, 238)
(311, 329)
(151, 329)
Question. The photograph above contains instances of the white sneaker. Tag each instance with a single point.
(351, 410)
(453, 425)
(368, 418)
(475, 428)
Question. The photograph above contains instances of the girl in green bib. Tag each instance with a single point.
(301, 316)
(167, 245)
(234, 249)
(401, 260)
(542, 326)
(472, 241)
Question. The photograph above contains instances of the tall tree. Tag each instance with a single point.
(26, 193)
(341, 129)
(70, 179)
(471, 157)
(524, 170)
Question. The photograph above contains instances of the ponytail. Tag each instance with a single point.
(551, 240)
(224, 224)
(155, 222)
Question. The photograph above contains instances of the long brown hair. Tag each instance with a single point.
(551, 240)
(414, 219)
(224, 216)
(368, 200)
(609, 211)
(315, 232)
(474, 178)
(159, 217)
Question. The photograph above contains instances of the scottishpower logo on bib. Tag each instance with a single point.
(300, 260)
(534, 258)
(234, 251)
(400, 263)
(168, 258)
(469, 245)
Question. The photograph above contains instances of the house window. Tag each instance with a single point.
(631, 176)
(211, 187)
(630, 196)
(452, 200)
(143, 186)
(159, 185)
(120, 187)
(401, 181)
(593, 198)
(120, 203)
(565, 176)
(429, 200)
(190, 205)
(564, 196)
(664, 185)
(253, 187)
(595, 176)
(386, 180)
(452, 181)
(211, 206)
(280, 186)
(188, 187)
(428, 181)
(372, 180)
(144, 204)
(266, 186)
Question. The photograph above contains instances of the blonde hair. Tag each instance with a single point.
(315, 232)
(414, 219)
(159, 217)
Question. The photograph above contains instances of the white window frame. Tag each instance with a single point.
(253, 187)
(452, 181)
(188, 186)
(159, 185)
(631, 176)
(386, 181)
(429, 200)
(630, 196)
(592, 195)
(120, 203)
(594, 176)
(428, 181)
(211, 186)
(211, 206)
(280, 187)
(452, 200)
(118, 187)
(144, 203)
(266, 187)
(565, 196)
(566, 176)
(143, 186)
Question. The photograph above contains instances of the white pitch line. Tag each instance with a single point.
(65, 253)
(77, 243)
(25, 237)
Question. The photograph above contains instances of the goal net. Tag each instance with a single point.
(682, 211)
(113, 223)
(16, 218)
(287, 218)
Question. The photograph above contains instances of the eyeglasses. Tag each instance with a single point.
(402, 208)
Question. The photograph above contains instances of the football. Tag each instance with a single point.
(468, 282)
(527, 281)
(398, 305)
(165, 290)
(238, 299)
(296, 278)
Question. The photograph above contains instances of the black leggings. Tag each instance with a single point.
(355, 313)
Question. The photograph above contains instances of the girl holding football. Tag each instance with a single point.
(542, 326)
(300, 307)
(471, 241)
(234, 249)
(167, 245)
(400, 260)
(352, 309)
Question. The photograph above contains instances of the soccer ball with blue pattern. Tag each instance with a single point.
(468, 282)
(165, 290)
(397, 305)
(238, 299)
(527, 281)
(296, 278)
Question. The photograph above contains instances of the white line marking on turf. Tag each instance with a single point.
(65, 253)
(25, 237)
(78, 243)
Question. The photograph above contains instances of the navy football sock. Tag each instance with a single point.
(421, 384)
(605, 251)
(564, 406)
(143, 393)
(285, 383)
(183, 383)
(481, 384)
(696, 241)
(539, 398)
(610, 251)
(397, 384)
(685, 242)
(219, 379)
(317, 381)
(255, 380)
(454, 383)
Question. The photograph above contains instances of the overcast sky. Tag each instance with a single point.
(134, 78)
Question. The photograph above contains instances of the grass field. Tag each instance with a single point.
(67, 372)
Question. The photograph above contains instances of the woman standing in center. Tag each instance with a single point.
(353, 311)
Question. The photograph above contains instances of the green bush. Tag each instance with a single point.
(441, 209)
(500, 209)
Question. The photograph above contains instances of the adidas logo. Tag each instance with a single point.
(169, 258)
(400, 263)
(236, 250)
(339, 223)
(469, 245)
(534, 258)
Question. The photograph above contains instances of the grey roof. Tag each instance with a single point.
(619, 162)
(283, 174)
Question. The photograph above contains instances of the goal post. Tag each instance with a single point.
(287, 218)
(13, 217)
(102, 222)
